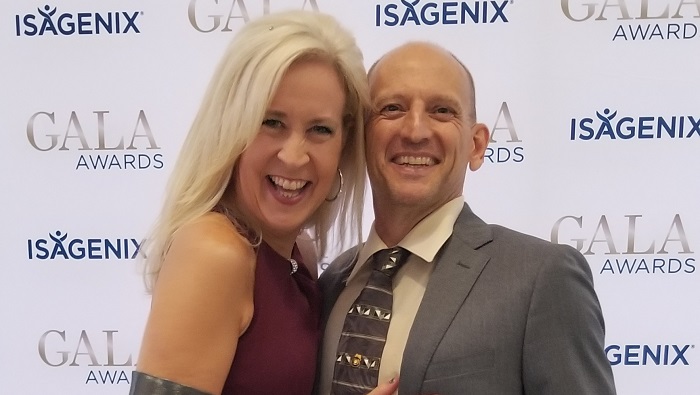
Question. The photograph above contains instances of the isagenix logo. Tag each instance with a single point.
(648, 354)
(610, 126)
(59, 246)
(48, 21)
(430, 13)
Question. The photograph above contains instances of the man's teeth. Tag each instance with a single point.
(415, 160)
(288, 185)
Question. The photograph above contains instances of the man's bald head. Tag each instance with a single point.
(422, 48)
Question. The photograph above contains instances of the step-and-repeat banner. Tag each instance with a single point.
(593, 106)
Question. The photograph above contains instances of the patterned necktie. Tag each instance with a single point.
(366, 326)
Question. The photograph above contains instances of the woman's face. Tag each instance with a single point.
(291, 166)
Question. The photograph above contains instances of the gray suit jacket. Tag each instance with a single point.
(503, 313)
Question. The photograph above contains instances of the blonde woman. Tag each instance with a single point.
(276, 148)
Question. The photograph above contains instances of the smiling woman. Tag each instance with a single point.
(235, 308)
(287, 171)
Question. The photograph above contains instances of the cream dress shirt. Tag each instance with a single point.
(423, 241)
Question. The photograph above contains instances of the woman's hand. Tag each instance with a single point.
(387, 388)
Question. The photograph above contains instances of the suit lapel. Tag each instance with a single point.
(457, 268)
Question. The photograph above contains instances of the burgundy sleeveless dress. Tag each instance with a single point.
(277, 353)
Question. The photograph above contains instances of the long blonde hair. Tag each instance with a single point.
(230, 116)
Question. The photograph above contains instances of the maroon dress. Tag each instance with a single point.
(277, 353)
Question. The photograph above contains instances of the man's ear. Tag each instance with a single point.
(480, 137)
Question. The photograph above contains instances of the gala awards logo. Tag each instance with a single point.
(505, 146)
(628, 244)
(101, 144)
(639, 20)
(208, 16)
(98, 356)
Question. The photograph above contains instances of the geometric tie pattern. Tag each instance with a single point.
(366, 326)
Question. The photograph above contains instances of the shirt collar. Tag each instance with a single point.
(424, 240)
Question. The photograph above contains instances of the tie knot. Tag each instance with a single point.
(388, 261)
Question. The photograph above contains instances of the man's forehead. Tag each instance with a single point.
(416, 61)
(391, 76)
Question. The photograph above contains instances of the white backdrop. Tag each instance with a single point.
(596, 133)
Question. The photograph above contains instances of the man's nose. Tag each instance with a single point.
(294, 150)
(417, 126)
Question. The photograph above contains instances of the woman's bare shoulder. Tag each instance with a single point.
(214, 236)
(210, 259)
(212, 263)
(202, 303)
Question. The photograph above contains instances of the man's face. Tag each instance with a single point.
(421, 135)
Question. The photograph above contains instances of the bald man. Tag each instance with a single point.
(477, 308)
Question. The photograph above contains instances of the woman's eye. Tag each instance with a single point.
(272, 123)
(320, 129)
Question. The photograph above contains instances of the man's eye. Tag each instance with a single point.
(391, 108)
(272, 123)
(444, 110)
